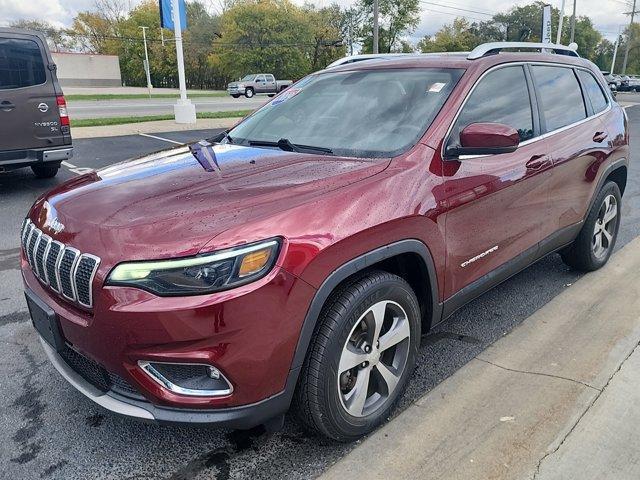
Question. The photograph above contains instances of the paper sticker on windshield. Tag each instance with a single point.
(436, 87)
(286, 95)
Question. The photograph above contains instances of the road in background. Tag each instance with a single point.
(137, 107)
(50, 430)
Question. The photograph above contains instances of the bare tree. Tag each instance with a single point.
(113, 10)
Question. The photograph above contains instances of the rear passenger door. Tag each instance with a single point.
(496, 204)
(28, 110)
(261, 84)
(271, 83)
(577, 138)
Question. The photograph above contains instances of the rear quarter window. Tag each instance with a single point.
(593, 91)
(560, 96)
(21, 64)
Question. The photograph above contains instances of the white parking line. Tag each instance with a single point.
(160, 138)
(75, 169)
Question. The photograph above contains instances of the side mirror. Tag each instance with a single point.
(486, 139)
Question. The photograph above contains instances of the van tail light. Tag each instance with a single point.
(62, 109)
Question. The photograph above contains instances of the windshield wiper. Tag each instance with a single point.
(286, 145)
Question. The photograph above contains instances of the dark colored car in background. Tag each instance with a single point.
(325, 234)
(35, 128)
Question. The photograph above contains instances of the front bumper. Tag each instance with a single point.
(236, 91)
(242, 417)
(23, 158)
(249, 334)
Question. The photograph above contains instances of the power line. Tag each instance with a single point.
(459, 8)
(455, 14)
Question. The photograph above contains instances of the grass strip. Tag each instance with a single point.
(129, 96)
(101, 122)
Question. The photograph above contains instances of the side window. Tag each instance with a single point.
(501, 96)
(270, 78)
(21, 64)
(593, 91)
(561, 101)
(260, 78)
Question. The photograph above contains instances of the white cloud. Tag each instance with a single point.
(607, 14)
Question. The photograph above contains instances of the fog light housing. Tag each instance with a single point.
(190, 379)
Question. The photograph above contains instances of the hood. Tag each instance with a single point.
(233, 84)
(166, 205)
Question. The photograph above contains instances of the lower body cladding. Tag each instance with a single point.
(223, 359)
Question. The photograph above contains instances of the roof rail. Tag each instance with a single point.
(495, 47)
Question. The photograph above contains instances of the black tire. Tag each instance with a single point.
(235, 95)
(47, 170)
(249, 93)
(320, 398)
(271, 95)
(582, 254)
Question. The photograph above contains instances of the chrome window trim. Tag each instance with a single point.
(157, 377)
(71, 274)
(91, 277)
(532, 140)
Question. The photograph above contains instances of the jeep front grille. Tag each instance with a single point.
(64, 269)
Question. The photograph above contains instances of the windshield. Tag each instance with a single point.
(248, 78)
(366, 113)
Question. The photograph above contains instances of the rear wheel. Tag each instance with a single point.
(248, 92)
(594, 245)
(361, 357)
(46, 170)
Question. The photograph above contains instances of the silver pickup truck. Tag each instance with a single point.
(256, 83)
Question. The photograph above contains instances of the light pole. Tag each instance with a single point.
(573, 23)
(558, 38)
(376, 27)
(629, 36)
(615, 50)
(147, 67)
(184, 110)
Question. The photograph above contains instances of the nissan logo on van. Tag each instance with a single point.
(43, 107)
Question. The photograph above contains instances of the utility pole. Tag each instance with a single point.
(558, 38)
(629, 36)
(573, 23)
(184, 110)
(147, 67)
(376, 26)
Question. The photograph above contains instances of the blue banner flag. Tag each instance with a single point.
(166, 14)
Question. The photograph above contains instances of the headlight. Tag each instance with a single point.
(201, 274)
(241, 85)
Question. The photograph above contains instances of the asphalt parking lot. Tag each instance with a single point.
(51, 431)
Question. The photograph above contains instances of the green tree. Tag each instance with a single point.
(56, 37)
(272, 36)
(456, 37)
(397, 18)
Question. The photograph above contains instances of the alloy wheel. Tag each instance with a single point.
(605, 227)
(373, 358)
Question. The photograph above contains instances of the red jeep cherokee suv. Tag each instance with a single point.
(298, 257)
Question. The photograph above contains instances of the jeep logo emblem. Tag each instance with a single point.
(43, 107)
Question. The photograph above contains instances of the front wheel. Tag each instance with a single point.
(594, 244)
(361, 357)
(47, 170)
(235, 95)
(248, 92)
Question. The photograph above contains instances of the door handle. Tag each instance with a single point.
(599, 137)
(538, 162)
(6, 106)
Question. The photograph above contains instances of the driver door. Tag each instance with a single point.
(261, 84)
(498, 205)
